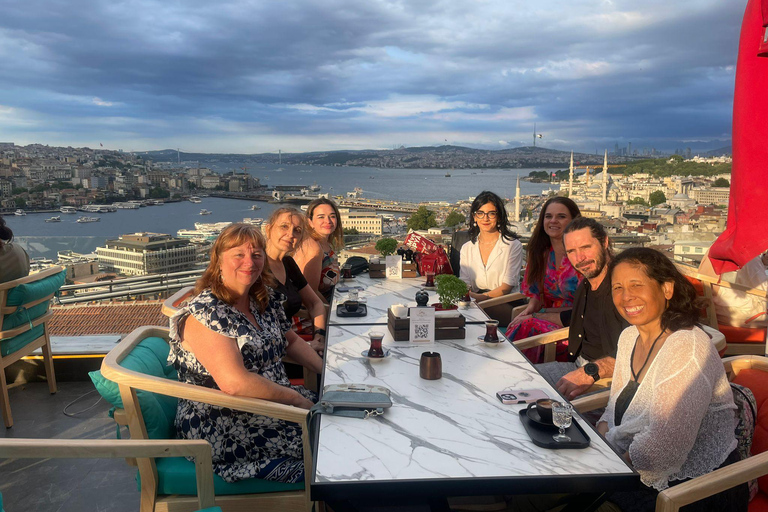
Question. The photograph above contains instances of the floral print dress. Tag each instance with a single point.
(244, 445)
(559, 286)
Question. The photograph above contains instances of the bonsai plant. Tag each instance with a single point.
(386, 246)
(450, 289)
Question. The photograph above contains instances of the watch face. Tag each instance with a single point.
(592, 370)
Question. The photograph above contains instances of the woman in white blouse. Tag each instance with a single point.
(671, 410)
(491, 260)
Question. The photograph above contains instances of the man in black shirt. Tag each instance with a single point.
(595, 325)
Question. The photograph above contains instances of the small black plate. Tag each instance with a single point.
(341, 311)
(541, 435)
(533, 415)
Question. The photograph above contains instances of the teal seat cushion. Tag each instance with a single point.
(159, 411)
(11, 345)
(176, 475)
(26, 293)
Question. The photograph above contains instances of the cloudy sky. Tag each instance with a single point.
(252, 76)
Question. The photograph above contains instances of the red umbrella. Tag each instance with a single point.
(746, 234)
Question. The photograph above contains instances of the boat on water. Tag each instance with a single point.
(85, 219)
(56, 218)
(68, 209)
(197, 234)
(20, 212)
(126, 206)
(315, 187)
(195, 199)
(255, 207)
(254, 222)
(205, 212)
(211, 226)
(447, 175)
(98, 208)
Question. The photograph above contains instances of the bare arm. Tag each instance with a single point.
(309, 258)
(221, 356)
(302, 353)
(577, 382)
(496, 292)
(317, 311)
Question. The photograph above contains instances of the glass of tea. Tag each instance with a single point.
(491, 331)
(376, 350)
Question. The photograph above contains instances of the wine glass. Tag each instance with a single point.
(561, 417)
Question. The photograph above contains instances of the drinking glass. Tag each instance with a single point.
(376, 350)
(353, 295)
(491, 331)
(347, 272)
(561, 417)
(430, 280)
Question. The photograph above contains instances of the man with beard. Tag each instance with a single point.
(595, 325)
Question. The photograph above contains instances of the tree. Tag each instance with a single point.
(721, 182)
(637, 200)
(159, 193)
(422, 219)
(657, 197)
(20, 202)
(386, 246)
(454, 218)
(350, 231)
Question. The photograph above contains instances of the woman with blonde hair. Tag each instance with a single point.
(232, 336)
(285, 230)
(317, 255)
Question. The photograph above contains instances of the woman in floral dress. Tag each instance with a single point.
(232, 336)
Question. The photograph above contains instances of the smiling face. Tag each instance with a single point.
(241, 267)
(638, 298)
(486, 218)
(556, 217)
(324, 220)
(285, 232)
(585, 252)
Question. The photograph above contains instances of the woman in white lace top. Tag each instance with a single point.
(671, 410)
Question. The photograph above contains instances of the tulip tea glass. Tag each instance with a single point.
(430, 283)
(376, 349)
(562, 415)
(347, 272)
(491, 331)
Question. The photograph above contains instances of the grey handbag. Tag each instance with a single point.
(353, 400)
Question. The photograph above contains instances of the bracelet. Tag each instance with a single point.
(321, 332)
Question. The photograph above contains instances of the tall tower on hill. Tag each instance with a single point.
(605, 177)
(587, 177)
(570, 179)
(517, 200)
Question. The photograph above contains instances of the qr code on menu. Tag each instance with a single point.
(421, 332)
(393, 271)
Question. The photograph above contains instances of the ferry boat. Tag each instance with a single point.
(20, 212)
(98, 208)
(197, 234)
(88, 219)
(211, 226)
(195, 199)
(255, 207)
(126, 206)
(254, 222)
(315, 187)
(57, 218)
(205, 212)
(68, 209)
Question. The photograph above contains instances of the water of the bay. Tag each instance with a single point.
(44, 240)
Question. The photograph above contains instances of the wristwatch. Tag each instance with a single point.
(592, 370)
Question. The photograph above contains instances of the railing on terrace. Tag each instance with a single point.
(127, 287)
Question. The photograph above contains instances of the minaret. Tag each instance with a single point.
(605, 178)
(587, 177)
(517, 200)
(570, 179)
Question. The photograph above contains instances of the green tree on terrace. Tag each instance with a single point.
(721, 182)
(455, 218)
(657, 197)
(422, 219)
(637, 200)
(159, 193)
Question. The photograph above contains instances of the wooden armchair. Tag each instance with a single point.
(24, 315)
(103, 449)
(148, 391)
(499, 309)
(750, 371)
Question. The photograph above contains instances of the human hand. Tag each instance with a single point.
(318, 344)
(302, 402)
(520, 319)
(602, 428)
(479, 297)
(574, 384)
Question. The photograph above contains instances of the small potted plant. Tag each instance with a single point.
(386, 247)
(450, 290)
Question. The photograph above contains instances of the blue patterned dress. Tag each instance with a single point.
(244, 445)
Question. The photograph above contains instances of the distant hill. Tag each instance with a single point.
(727, 150)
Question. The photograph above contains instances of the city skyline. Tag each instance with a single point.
(257, 77)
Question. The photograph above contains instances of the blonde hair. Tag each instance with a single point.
(336, 239)
(235, 235)
(294, 213)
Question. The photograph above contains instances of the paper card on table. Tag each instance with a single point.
(394, 267)
(422, 325)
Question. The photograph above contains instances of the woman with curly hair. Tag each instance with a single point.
(232, 336)
(550, 280)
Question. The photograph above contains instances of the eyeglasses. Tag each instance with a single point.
(481, 214)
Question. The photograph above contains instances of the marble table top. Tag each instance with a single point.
(449, 436)
(380, 294)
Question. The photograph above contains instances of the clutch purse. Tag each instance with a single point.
(353, 400)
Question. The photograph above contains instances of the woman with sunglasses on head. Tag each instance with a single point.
(550, 280)
(317, 255)
(491, 259)
(285, 231)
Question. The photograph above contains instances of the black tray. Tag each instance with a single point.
(341, 311)
(541, 435)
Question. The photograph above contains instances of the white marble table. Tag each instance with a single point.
(380, 294)
(447, 437)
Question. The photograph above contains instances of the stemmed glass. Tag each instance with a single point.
(561, 417)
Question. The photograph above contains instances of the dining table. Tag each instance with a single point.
(446, 437)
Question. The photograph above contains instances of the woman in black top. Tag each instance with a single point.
(285, 231)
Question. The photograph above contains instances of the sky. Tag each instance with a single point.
(257, 76)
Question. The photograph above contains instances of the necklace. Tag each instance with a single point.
(631, 361)
(488, 242)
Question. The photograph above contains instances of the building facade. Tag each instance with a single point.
(140, 254)
(365, 221)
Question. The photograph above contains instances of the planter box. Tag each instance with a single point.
(379, 270)
(409, 270)
(445, 328)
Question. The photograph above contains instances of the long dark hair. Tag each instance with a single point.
(336, 239)
(235, 235)
(540, 244)
(484, 198)
(6, 235)
(682, 309)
